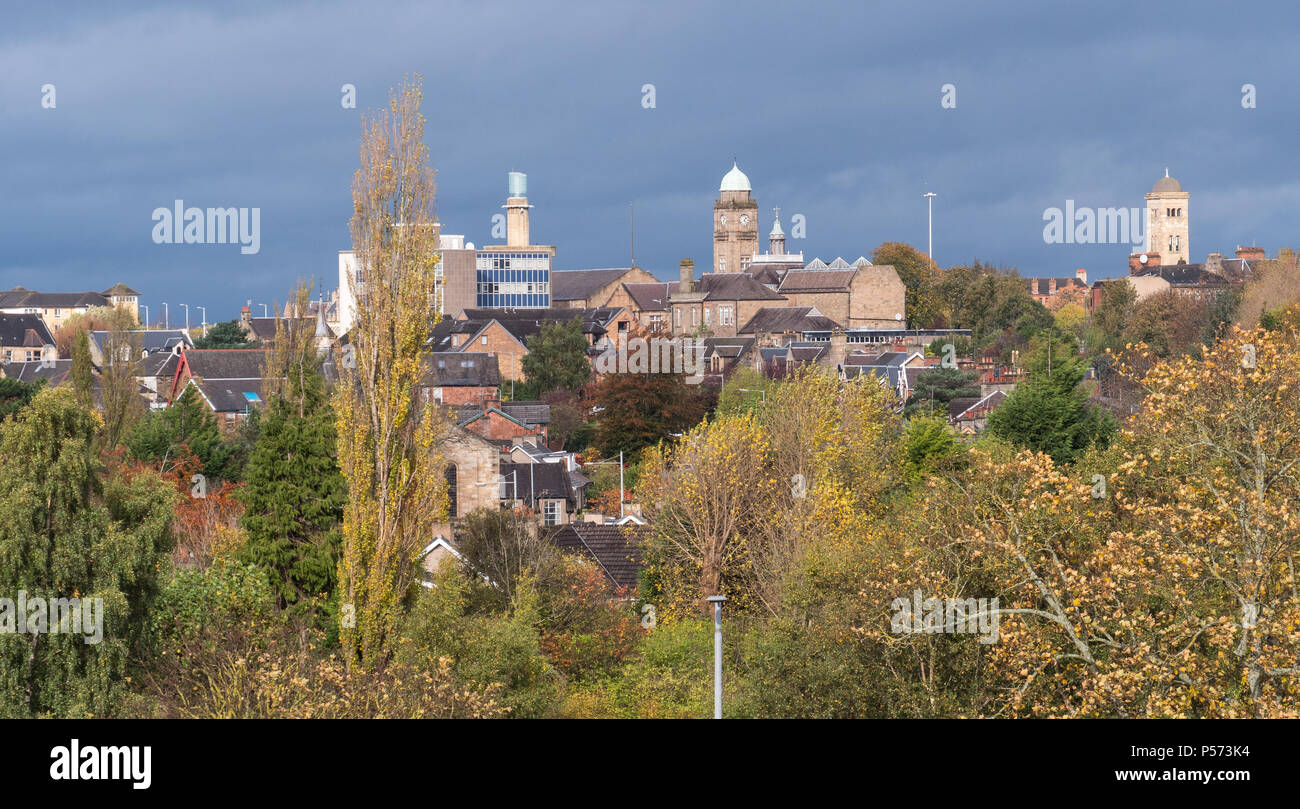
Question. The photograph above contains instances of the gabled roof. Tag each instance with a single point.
(461, 369)
(616, 549)
(150, 340)
(975, 408)
(263, 328)
(225, 363)
(20, 297)
(836, 280)
(230, 395)
(32, 371)
(524, 323)
(25, 331)
(726, 347)
(733, 286)
(651, 297)
(119, 289)
(538, 481)
(787, 319)
(577, 285)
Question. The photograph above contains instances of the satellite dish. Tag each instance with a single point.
(1143, 258)
(898, 316)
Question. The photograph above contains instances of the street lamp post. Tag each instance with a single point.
(166, 321)
(263, 309)
(929, 196)
(187, 317)
(146, 316)
(203, 313)
(716, 601)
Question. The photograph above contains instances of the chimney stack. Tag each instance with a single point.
(1251, 253)
(517, 210)
(687, 283)
(1082, 275)
(245, 315)
(1214, 263)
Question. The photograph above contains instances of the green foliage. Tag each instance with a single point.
(485, 649)
(66, 533)
(920, 278)
(82, 370)
(556, 359)
(988, 302)
(930, 445)
(15, 395)
(187, 424)
(294, 497)
(1050, 413)
(670, 678)
(197, 610)
(740, 394)
(938, 386)
(226, 334)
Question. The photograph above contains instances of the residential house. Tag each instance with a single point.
(648, 303)
(614, 549)
(505, 423)
(229, 380)
(461, 378)
(56, 307)
(1055, 293)
(23, 337)
(717, 304)
(591, 289)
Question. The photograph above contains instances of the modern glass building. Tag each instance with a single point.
(519, 277)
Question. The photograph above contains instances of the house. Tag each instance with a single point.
(54, 373)
(505, 423)
(860, 295)
(261, 330)
(56, 307)
(472, 472)
(461, 378)
(1055, 293)
(590, 289)
(229, 380)
(648, 302)
(144, 342)
(971, 415)
(505, 332)
(544, 488)
(23, 337)
(790, 321)
(717, 304)
(614, 549)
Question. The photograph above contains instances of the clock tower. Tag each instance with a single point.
(735, 223)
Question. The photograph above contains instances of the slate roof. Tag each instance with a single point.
(228, 395)
(733, 286)
(974, 408)
(264, 327)
(615, 548)
(26, 331)
(150, 340)
(817, 280)
(524, 323)
(787, 319)
(226, 363)
(1187, 275)
(119, 289)
(726, 347)
(161, 364)
(32, 371)
(538, 481)
(19, 296)
(651, 297)
(461, 369)
(528, 413)
(577, 285)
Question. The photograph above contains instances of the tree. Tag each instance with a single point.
(83, 380)
(921, 278)
(936, 387)
(640, 410)
(122, 406)
(556, 359)
(567, 422)
(65, 533)
(188, 423)
(226, 334)
(504, 547)
(386, 438)
(1168, 323)
(16, 394)
(1049, 413)
(294, 494)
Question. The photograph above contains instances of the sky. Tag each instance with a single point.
(833, 110)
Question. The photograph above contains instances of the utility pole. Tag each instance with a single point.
(631, 208)
(716, 601)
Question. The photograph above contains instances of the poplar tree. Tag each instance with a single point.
(386, 440)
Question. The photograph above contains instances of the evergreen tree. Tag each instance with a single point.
(937, 387)
(16, 394)
(65, 534)
(556, 359)
(83, 380)
(294, 497)
(187, 423)
(226, 334)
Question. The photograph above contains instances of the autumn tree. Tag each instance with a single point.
(386, 440)
(920, 277)
(83, 380)
(120, 399)
(640, 410)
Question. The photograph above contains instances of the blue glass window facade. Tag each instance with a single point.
(521, 279)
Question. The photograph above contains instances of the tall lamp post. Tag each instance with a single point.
(716, 601)
(203, 314)
(929, 197)
(146, 316)
(166, 322)
(187, 316)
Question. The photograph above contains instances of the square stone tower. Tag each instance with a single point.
(735, 223)
(1167, 221)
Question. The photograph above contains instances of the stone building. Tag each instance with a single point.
(735, 224)
(1167, 230)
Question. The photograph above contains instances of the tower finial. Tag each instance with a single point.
(1166, 171)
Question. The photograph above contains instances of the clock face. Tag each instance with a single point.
(723, 219)
(744, 219)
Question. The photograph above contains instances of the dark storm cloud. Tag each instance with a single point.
(832, 111)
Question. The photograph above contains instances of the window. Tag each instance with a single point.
(695, 317)
(744, 263)
(483, 340)
(677, 316)
(722, 263)
(724, 315)
(707, 315)
(450, 474)
(551, 512)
